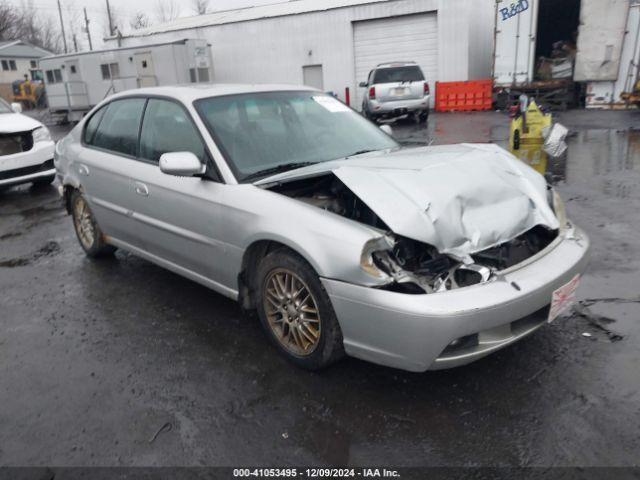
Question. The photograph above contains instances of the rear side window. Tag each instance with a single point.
(168, 128)
(398, 74)
(92, 126)
(118, 130)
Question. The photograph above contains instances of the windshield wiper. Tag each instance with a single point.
(285, 167)
(360, 152)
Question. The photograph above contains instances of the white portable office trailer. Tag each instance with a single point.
(76, 82)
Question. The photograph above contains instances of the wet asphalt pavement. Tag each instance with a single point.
(96, 357)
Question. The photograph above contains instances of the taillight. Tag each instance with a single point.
(372, 92)
(426, 88)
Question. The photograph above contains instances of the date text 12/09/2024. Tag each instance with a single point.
(315, 473)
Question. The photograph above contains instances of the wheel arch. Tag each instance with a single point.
(251, 258)
(67, 193)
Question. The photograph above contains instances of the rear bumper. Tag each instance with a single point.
(398, 107)
(28, 166)
(415, 332)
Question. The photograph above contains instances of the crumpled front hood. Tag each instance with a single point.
(461, 199)
(16, 122)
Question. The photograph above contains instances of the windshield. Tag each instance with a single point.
(261, 132)
(398, 74)
(5, 107)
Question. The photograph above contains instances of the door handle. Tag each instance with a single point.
(83, 170)
(141, 189)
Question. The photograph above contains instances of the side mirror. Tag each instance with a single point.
(387, 129)
(363, 84)
(181, 164)
(16, 107)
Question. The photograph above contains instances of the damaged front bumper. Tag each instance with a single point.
(455, 327)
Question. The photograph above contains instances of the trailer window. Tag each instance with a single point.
(5, 65)
(168, 128)
(12, 64)
(202, 75)
(110, 70)
(54, 76)
(118, 130)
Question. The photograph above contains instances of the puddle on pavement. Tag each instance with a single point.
(601, 161)
(49, 249)
(598, 160)
(607, 158)
(617, 318)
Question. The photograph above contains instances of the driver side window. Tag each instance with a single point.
(167, 128)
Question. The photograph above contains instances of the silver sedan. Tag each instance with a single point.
(291, 203)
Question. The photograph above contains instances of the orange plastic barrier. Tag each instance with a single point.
(464, 96)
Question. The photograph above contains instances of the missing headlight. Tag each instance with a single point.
(418, 268)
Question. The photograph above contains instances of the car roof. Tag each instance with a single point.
(190, 92)
(396, 64)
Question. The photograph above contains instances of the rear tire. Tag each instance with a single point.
(367, 114)
(295, 311)
(424, 117)
(87, 230)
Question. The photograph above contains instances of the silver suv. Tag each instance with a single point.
(394, 90)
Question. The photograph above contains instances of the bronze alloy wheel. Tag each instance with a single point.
(84, 223)
(292, 312)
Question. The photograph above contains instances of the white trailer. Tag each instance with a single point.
(525, 31)
(77, 82)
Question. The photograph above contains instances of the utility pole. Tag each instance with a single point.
(75, 42)
(86, 26)
(64, 36)
(110, 21)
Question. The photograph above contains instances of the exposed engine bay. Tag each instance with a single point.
(411, 266)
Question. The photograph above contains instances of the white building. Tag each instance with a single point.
(17, 59)
(333, 44)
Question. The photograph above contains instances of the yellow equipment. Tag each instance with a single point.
(634, 96)
(526, 139)
(27, 92)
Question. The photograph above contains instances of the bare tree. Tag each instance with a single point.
(201, 7)
(167, 10)
(26, 22)
(8, 19)
(139, 20)
(50, 36)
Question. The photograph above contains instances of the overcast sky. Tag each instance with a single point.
(123, 11)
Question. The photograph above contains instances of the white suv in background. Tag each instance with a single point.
(26, 149)
(394, 90)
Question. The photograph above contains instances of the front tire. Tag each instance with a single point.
(296, 313)
(87, 230)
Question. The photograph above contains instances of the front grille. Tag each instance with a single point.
(18, 142)
(21, 172)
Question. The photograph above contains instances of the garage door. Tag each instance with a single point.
(392, 39)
